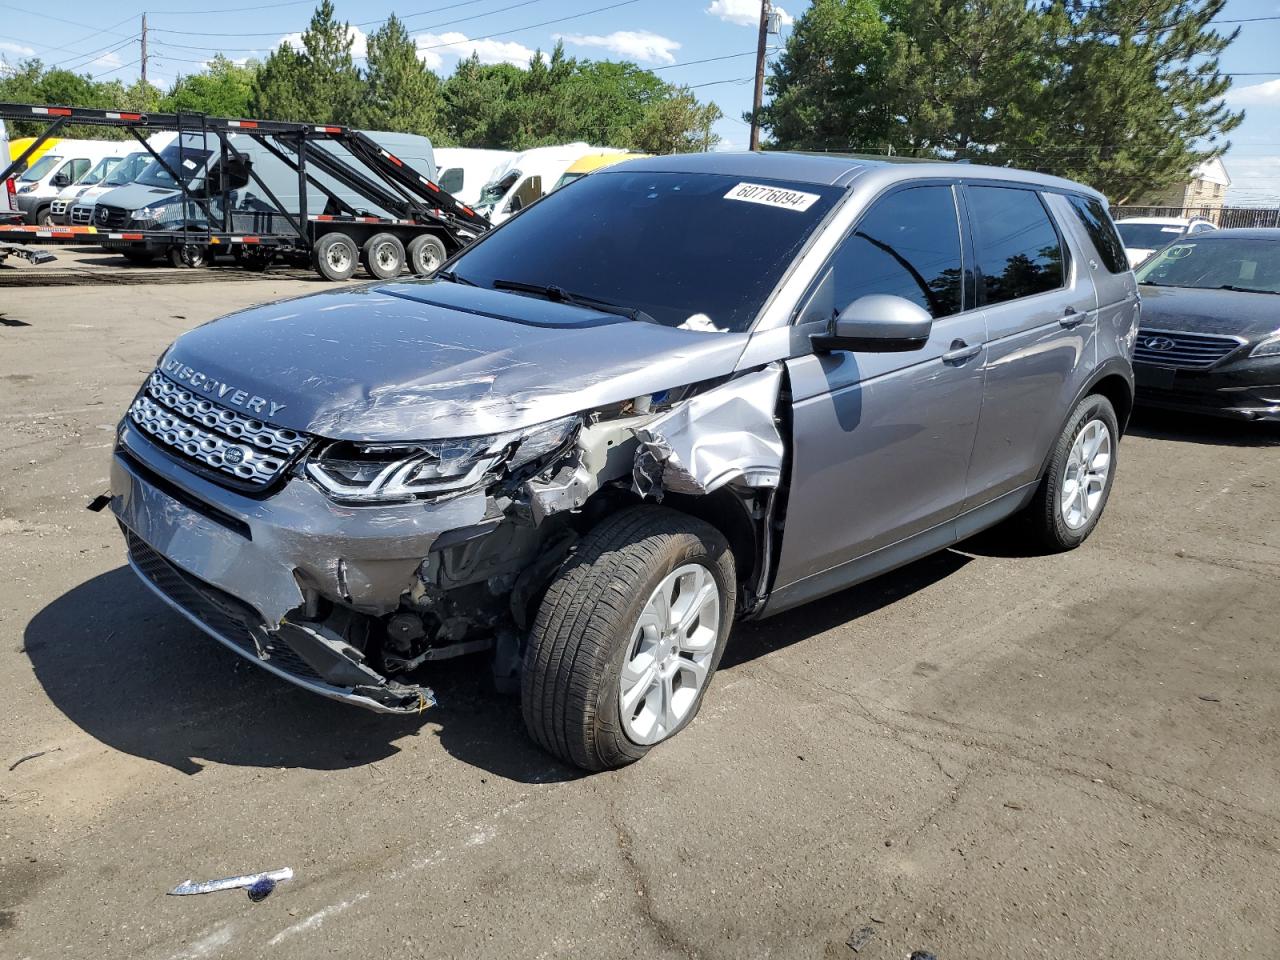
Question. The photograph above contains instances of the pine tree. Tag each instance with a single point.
(320, 83)
(400, 92)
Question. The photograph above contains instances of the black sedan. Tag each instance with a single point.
(1209, 340)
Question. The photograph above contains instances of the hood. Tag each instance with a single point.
(92, 194)
(426, 360)
(133, 196)
(1253, 316)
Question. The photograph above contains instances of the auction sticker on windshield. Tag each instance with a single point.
(772, 196)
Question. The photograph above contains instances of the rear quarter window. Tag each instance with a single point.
(1102, 232)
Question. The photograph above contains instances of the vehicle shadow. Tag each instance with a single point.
(1158, 424)
(138, 677)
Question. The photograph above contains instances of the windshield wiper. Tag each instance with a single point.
(1231, 286)
(452, 277)
(561, 295)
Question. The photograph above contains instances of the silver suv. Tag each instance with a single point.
(679, 392)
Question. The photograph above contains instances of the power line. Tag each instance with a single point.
(531, 26)
(207, 10)
(368, 23)
(49, 16)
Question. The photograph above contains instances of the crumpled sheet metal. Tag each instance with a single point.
(726, 435)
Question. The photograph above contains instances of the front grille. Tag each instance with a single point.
(58, 207)
(230, 443)
(82, 214)
(1191, 351)
(222, 613)
(112, 218)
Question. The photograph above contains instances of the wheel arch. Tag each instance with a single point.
(731, 514)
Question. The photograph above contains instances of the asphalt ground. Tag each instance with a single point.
(985, 754)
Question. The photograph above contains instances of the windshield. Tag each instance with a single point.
(701, 251)
(127, 170)
(1244, 263)
(1148, 236)
(568, 178)
(100, 170)
(42, 166)
(491, 193)
(192, 161)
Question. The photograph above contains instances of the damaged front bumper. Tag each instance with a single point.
(242, 569)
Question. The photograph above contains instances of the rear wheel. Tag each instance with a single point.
(628, 637)
(426, 252)
(383, 256)
(335, 256)
(1077, 483)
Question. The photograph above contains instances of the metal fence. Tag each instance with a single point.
(1220, 216)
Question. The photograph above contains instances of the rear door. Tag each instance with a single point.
(881, 441)
(1041, 314)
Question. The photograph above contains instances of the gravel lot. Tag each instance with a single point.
(983, 755)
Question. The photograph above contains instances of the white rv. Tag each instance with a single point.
(528, 176)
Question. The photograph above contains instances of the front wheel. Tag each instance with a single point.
(627, 638)
(335, 256)
(1077, 483)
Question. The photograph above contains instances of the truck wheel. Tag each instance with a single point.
(627, 637)
(335, 256)
(383, 256)
(189, 255)
(1077, 483)
(426, 253)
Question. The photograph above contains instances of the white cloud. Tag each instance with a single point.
(105, 62)
(433, 48)
(19, 49)
(745, 13)
(359, 42)
(1256, 94)
(1255, 180)
(639, 45)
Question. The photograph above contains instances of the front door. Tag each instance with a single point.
(881, 441)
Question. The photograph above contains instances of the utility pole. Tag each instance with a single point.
(144, 49)
(759, 92)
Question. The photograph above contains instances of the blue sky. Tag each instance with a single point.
(660, 34)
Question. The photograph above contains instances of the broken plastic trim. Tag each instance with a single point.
(726, 435)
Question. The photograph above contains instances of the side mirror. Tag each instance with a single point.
(60, 180)
(878, 323)
(234, 175)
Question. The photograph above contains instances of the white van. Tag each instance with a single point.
(7, 189)
(528, 176)
(464, 171)
(41, 183)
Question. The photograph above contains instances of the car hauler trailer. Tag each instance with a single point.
(337, 168)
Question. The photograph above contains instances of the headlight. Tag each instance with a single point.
(27, 188)
(1269, 347)
(147, 213)
(380, 472)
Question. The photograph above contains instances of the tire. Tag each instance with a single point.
(44, 217)
(425, 253)
(139, 258)
(1062, 526)
(383, 256)
(335, 256)
(191, 255)
(589, 627)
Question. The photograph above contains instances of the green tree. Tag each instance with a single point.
(1125, 95)
(400, 92)
(479, 104)
(676, 123)
(223, 89)
(320, 83)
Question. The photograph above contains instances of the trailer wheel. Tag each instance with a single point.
(335, 256)
(426, 253)
(188, 255)
(383, 256)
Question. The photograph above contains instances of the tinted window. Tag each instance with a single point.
(1097, 222)
(907, 245)
(1148, 236)
(451, 180)
(674, 245)
(190, 166)
(1019, 253)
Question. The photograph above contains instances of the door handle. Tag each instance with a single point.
(1072, 317)
(961, 351)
